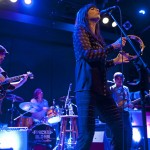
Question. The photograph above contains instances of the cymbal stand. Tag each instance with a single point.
(12, 112)
(23, 113)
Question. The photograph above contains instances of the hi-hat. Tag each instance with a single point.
(63, 98)
(14, 98)
(30, 107)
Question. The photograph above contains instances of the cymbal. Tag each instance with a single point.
(63, 98)
(134, 82)
(30, 107)
(14, 98)
(110, 82)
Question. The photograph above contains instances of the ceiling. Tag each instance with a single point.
(65, 11)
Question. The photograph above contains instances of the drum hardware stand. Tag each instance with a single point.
(67, 99)
(23, 114)
(12, 112)
(71, 112)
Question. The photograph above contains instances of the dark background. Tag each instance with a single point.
(39, 39)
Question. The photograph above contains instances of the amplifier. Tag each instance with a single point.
(13, 138)
(100, 140)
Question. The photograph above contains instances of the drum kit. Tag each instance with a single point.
(41, 133)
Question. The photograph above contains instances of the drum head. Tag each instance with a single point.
(54, 120)
(42, 136)
(54, 114)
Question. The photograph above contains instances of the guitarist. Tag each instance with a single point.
(121, 96)
(9, 86)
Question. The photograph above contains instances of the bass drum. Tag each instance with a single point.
(42, 137)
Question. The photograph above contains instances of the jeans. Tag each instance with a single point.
(86, 102)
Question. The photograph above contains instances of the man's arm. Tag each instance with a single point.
(19, 83)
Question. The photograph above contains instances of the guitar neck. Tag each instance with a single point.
(11, 79)
(122, 103)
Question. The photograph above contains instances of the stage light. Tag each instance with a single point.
(137, 138)
(127, 25)
(136, 135)
(14, 138)
(13, 1)
(105, 20)
(114, 24)
(28, 2)
(142, 12)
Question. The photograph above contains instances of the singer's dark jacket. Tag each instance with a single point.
(91, 63)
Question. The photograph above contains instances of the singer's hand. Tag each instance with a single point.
(118, 44)
(121, 58)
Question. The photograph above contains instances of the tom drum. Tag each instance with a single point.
(54, 115)
(24, 121)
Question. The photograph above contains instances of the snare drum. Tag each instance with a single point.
(24, 121)
(42, 137)
(53, 115)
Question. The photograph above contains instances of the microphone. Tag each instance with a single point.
(107, 10)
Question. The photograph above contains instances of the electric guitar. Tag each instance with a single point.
(9, 80)
(122, 103)
(3, 91)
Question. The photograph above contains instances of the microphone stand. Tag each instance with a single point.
(142, 91)
(67, 99)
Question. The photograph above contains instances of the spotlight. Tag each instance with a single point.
(127, 25)
(114, 24)
(136, 135)
(105, 20)
(142, 12)
(13, 1)
(28, 1)
(137, 138)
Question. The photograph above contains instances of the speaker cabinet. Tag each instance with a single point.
(100, 141)
(13, 138)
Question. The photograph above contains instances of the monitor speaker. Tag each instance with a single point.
(13, 138)
(100, 141)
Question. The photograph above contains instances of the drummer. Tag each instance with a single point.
(41, 102)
